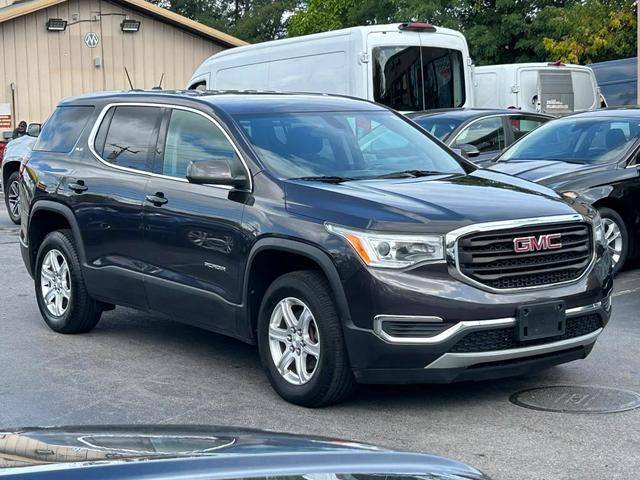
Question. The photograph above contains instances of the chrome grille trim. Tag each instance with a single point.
(451, 247)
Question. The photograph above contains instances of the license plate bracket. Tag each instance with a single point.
(541, 320)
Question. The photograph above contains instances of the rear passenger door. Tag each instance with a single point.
(194, 241)
(108, 195)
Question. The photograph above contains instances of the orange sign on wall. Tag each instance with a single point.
(5, 116)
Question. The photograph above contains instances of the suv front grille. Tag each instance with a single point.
(490, 257)
(506, 338)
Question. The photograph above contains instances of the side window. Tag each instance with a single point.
(63, 128)
(130, 134)
(193, 138)
(200, 86)
(487, 135)
(522, 125)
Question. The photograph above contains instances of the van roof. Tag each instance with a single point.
(531, 65)
(233, 102)
(362, 30)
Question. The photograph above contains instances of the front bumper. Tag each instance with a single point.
(441, 363)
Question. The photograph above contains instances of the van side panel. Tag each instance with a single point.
(241, 77)
(486, 89)
(301, 73)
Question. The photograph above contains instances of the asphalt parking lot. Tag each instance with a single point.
(140, 368)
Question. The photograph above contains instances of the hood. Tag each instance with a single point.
(229, 452)
(552, 173)
(435, 204)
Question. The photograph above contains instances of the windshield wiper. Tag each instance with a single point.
(410, 174)
(324, 178)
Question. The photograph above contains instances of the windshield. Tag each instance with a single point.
(582, 140)
(418, 78)
(356, 145)
(438, 126)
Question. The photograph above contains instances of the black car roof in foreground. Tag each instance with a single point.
(468, 113)
(235, 102)
(116, 452)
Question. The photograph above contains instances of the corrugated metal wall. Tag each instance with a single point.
(48, 66)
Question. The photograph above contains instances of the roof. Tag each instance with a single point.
(617, 112)
(235, 102)
(468, 113)
(26, 7)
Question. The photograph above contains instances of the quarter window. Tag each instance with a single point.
(487, 135)
(193, 138)
(127, 137)
(63, 128)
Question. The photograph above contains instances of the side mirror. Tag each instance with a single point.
(469, 150)
(215, 171)
(33, 130)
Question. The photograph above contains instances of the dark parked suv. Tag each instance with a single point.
(332, 232)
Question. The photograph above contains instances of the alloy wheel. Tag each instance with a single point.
(613, 236)
(14, 199)
(294, 341)
(55, 283)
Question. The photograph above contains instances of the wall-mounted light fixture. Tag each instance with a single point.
(130, 26)
(56, 25)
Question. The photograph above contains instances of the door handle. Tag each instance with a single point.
(78, 186)
(158, 199)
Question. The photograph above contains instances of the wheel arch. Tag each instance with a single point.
(298, 256)
(9, 168)
(47, 216)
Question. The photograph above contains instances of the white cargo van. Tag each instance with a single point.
(554, 88)
(408, 66)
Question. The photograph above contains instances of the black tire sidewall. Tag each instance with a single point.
(14, 177)
(615, 217)
(60, 242)
(322, 377)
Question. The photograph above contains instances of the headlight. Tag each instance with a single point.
(390, 250)
(598, 228)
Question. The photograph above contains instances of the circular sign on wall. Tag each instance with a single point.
(91, 40)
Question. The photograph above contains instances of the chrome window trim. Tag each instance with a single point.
(98, 122)
(451, 247)
(460, 327)
(464, 360)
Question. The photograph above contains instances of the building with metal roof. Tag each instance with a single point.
(52, 49)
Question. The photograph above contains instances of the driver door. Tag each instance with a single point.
(193, 235)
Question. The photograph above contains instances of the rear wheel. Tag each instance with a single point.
(301, 343)
(12, 198)
(616, 236)
(62, 296)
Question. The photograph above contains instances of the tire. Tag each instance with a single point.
(80, 313)
(612, 219)
(13, 204)
(331, 378)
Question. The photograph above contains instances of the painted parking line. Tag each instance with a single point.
(625, 292)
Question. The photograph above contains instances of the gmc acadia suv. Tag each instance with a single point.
(343, 240)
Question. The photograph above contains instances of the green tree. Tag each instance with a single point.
(591, 31)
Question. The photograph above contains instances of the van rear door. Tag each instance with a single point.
(413, 70)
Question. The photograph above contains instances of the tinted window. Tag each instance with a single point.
(520, 125)
(63, 128)
(487, 135)
(350, 144)
(193, 138)
(418, 78)
(582, 140)
(438, 126)
(131, 136)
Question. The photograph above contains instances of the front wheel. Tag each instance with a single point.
(616, 236)
(12, 198)
(301, 343)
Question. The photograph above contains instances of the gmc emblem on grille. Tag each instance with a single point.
(549, 241)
